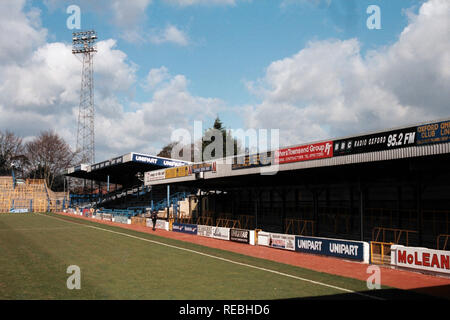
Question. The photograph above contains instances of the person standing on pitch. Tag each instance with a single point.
(154, 216)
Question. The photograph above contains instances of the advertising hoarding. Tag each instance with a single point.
(331, 247)
(240, 235)
(253, 160)
(203, 167)
(142, 158)
(438, 132)
(305, 152)
(376, 142)
(184, 228)
(282, 241)
(421, 258)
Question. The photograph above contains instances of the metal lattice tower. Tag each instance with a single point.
(83, 43)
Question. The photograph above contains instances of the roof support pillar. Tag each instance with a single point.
(362, 203)
(168, 200)
(315, 194)
(283, 209)
(418, 196)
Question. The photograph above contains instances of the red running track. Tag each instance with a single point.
(402, 279)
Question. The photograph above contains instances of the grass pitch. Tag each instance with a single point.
(116, 263)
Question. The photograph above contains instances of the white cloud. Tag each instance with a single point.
(155, 77)
(329, 88)
(114, 73)
(20, 32)
(42, 92)
(40, 89)
(44, 83)
(149, 126)
(416, 69)
(126, 15)
(47, 81)
(171, 34)
(185, 3)
(129, 13)
(129, 17)
(44, 95)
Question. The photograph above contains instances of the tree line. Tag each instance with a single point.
(207, 144)
(45, 157)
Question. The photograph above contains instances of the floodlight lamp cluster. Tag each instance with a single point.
(84, 42)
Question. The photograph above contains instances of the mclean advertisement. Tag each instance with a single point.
(421, 258)
(304, 153)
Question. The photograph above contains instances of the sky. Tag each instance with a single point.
(313, 69)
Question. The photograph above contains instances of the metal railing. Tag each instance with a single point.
(395, 235)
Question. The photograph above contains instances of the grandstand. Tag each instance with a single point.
(119, 186)
(31, 195)
(387, 186)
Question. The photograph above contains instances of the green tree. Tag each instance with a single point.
(229, 145)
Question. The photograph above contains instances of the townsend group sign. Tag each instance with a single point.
(306, 152)
(421, 258)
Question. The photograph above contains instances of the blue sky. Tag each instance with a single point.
(229, 44)
(255, 63)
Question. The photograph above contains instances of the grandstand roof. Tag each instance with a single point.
(419, 140)
(367, 150)
(122, 169)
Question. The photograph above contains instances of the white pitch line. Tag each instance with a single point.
(224, 259)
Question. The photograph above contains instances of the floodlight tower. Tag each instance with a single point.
(84, 43)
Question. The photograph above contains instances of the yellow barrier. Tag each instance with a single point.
(380, 252)
(33, 195)
(205, 221)
(247, 221)
(445, 237)
(256, 236)
(395, 235)
(228, 223)
(299, 227)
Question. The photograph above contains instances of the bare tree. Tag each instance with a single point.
(169, 151)
(48, 155)
(11, 152)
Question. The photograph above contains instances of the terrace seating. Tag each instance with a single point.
(31, 196)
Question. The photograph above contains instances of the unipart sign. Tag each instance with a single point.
(421, 258)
